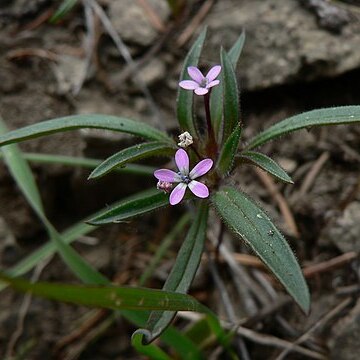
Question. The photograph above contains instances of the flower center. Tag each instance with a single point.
(204, 83)
(184, 178)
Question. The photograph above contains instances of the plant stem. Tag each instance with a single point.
(211, 147)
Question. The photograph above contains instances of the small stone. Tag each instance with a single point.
(344, 231)
(152, 72)
(132, 22)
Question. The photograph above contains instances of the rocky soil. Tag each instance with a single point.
(299, 55)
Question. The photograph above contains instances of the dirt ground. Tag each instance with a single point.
(51, 70)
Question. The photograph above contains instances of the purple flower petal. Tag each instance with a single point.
(199, 189)
(201, 91)
(167, 175)
(195, 74)
(182, 161)
(189, 84)
(213, 73)
(201, 168)
(213, 83)
(177, 194)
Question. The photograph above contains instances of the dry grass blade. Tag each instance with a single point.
(125, 53)
(312, 174)
(194, 23)
(323, 320)
(280, 200)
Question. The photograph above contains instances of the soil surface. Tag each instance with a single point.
(299, 55)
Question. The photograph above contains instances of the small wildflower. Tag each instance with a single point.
(200, 83)
(185, 140)
(185, 178)
(164, 185)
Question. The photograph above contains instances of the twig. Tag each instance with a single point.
(25, 52)
(263, 339)
(312, 174)
(240, 273)
(155, 20)
(280, 200)
(89, 45)
(323, 320)
(10, 352)
(327, 265)
(127, 57)
(84, 328)
(138, 64)
(229, 309)
(194, 23)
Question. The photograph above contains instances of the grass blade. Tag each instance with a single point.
(22, 174)
(87, 163)
(109, 297)
(181, 275)
(164, 246)
(62, 10)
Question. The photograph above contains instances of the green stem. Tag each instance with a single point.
(211, 147)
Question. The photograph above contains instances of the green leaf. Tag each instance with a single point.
(236, 50)
(84, 121)
(250, 222)
(228, 152)
(181, 275)
(110, 297)
(22, 174)
(216, 100)
(47, 250)
(62, 10)
(230, 95)
(267, 164)
(185, 98)
(20, 170)
(85, 163)
(132, 153)
(320, 117)
(138, 204)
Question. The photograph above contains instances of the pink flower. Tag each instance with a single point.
(185, 178)
(200, 83)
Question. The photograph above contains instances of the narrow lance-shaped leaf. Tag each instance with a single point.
(185, 98)
(138, 204)
(250, 222)
(182, 273)
(132, 153)
(265, 163)
(216, 100)
(230, 96)
(74, 122)
(228, 152)
(110, 297)
(320, 117)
